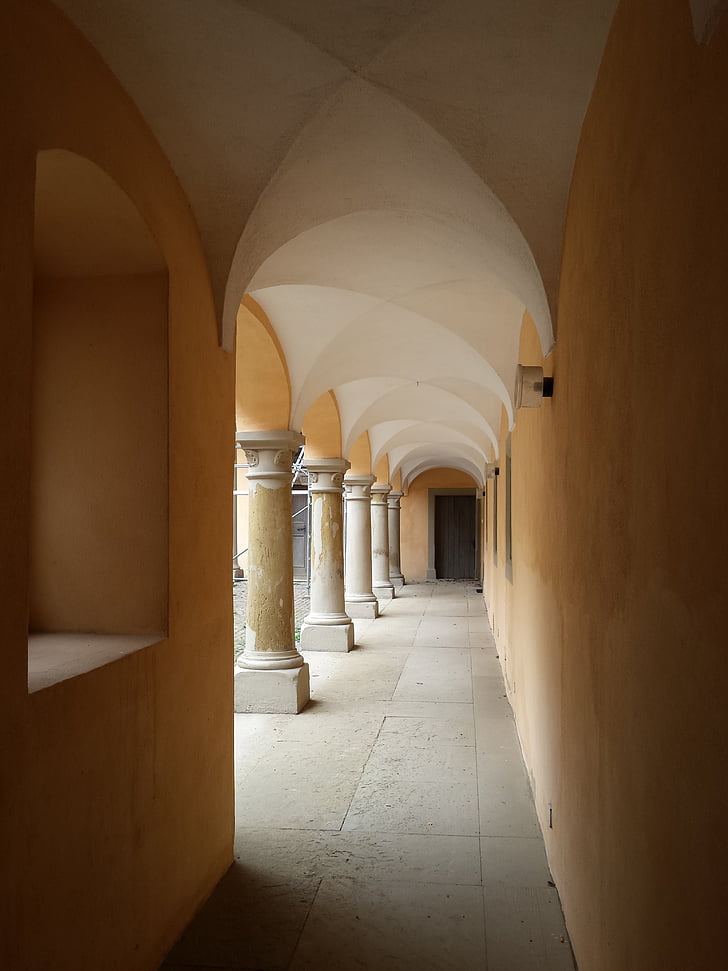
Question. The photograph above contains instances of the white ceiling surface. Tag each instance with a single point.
(387, 178)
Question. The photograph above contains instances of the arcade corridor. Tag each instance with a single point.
(390, 826)
(438, 249)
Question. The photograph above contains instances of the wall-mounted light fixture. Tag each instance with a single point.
(532, 387)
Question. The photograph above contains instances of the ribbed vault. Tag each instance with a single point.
(387, 180)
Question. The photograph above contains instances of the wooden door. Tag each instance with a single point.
(455, 537)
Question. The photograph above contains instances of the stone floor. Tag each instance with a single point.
(390, 826)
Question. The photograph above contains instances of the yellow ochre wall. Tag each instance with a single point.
(613, 632)
(360, 456)
(116, 786)
(414, 517)
(322, 428)
(99, 468)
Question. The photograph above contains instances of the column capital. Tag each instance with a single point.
(270, 453)
(326, 475)
(393, 499)
(358, 486)
(380, 493)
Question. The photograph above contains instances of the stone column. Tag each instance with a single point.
(393, 510)
(327, 627)
(272, 676)
(359, 598)
(381, 584)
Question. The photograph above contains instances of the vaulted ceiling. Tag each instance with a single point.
(387, 178)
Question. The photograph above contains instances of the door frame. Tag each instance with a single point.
(431, 572)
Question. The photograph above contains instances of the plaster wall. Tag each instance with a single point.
(263, 389)
(360, 456)
(382, 471)
(115, 786)
(98, 557)
(322, 428)
(613, 629)
(414, 517)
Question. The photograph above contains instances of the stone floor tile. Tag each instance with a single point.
(301, 785)
(484, 666)
(489, 695)
(457, 728)
(399, 757)
(248, 922)
(504, 796)
(401, 806)
(514, 862)
(391, 926)
(496, 735)
(447, 608)
(305, 854)
(324, 722)
(525, 930)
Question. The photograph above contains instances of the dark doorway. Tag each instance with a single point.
(455, 537)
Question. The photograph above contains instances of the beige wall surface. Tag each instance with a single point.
(414, 517)
(360, 456)
(322, 428)
(613, 632)
(116, 786)
(263, 388)
(99, 507)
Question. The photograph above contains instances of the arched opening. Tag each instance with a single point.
(99, 425)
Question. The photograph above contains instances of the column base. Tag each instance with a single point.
(272, 692)
(430, 574)
(385, 592)
(326, 637)
(362, 609)
(397, 580)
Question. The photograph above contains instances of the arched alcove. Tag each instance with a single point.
(99, 425)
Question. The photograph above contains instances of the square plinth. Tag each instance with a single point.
(366, 610)
(397, 582)
(320, 637)
(271, 692)
(384, 593)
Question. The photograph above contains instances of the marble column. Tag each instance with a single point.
(393, 510)
(381, 584)
(359, 597)
(272, 676)
(327, 627)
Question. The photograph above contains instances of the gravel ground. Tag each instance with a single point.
(240, 592)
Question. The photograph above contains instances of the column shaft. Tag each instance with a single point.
(393, 513)
(381, 584)
(360, 599)
(327, 627)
